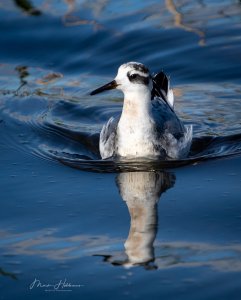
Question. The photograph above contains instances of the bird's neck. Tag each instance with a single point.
(136, 105)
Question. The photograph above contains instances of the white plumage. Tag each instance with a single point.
(148, 126)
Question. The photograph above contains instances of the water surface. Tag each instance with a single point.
(125, 230)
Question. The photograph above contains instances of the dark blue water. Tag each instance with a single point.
(107, 229)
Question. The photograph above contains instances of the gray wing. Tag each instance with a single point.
(163, 107)
(166, 119)
(173, 136)
(108, 138)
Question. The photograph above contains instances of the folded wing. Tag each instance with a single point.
(161, 88)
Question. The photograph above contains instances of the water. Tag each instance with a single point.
(126, 230)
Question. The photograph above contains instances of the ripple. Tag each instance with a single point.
(65, 127)
(211, 148)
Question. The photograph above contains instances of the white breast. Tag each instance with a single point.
(134, 138)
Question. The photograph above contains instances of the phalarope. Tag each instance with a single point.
(148, 126)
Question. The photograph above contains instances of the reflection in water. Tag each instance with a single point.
(49, 78)
(49, 244)
(141, 192)
(27, 6)
(22, 74)
(8, 274)
(179, 22)
(191, 16)
(69, 19)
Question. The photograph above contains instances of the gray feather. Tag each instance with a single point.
(108, 138)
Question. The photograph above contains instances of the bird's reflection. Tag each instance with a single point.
(141, 191)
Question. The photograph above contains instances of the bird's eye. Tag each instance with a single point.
(133, 76)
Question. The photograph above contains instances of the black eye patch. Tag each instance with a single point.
(137, 78)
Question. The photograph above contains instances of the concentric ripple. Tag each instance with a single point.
(65, 128)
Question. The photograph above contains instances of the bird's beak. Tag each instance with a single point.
(109, 86)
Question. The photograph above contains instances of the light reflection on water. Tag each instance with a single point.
(222, 258)
(141, 192)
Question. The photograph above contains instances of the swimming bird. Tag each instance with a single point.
(148, 126)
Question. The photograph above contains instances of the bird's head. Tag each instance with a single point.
(131, 77)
